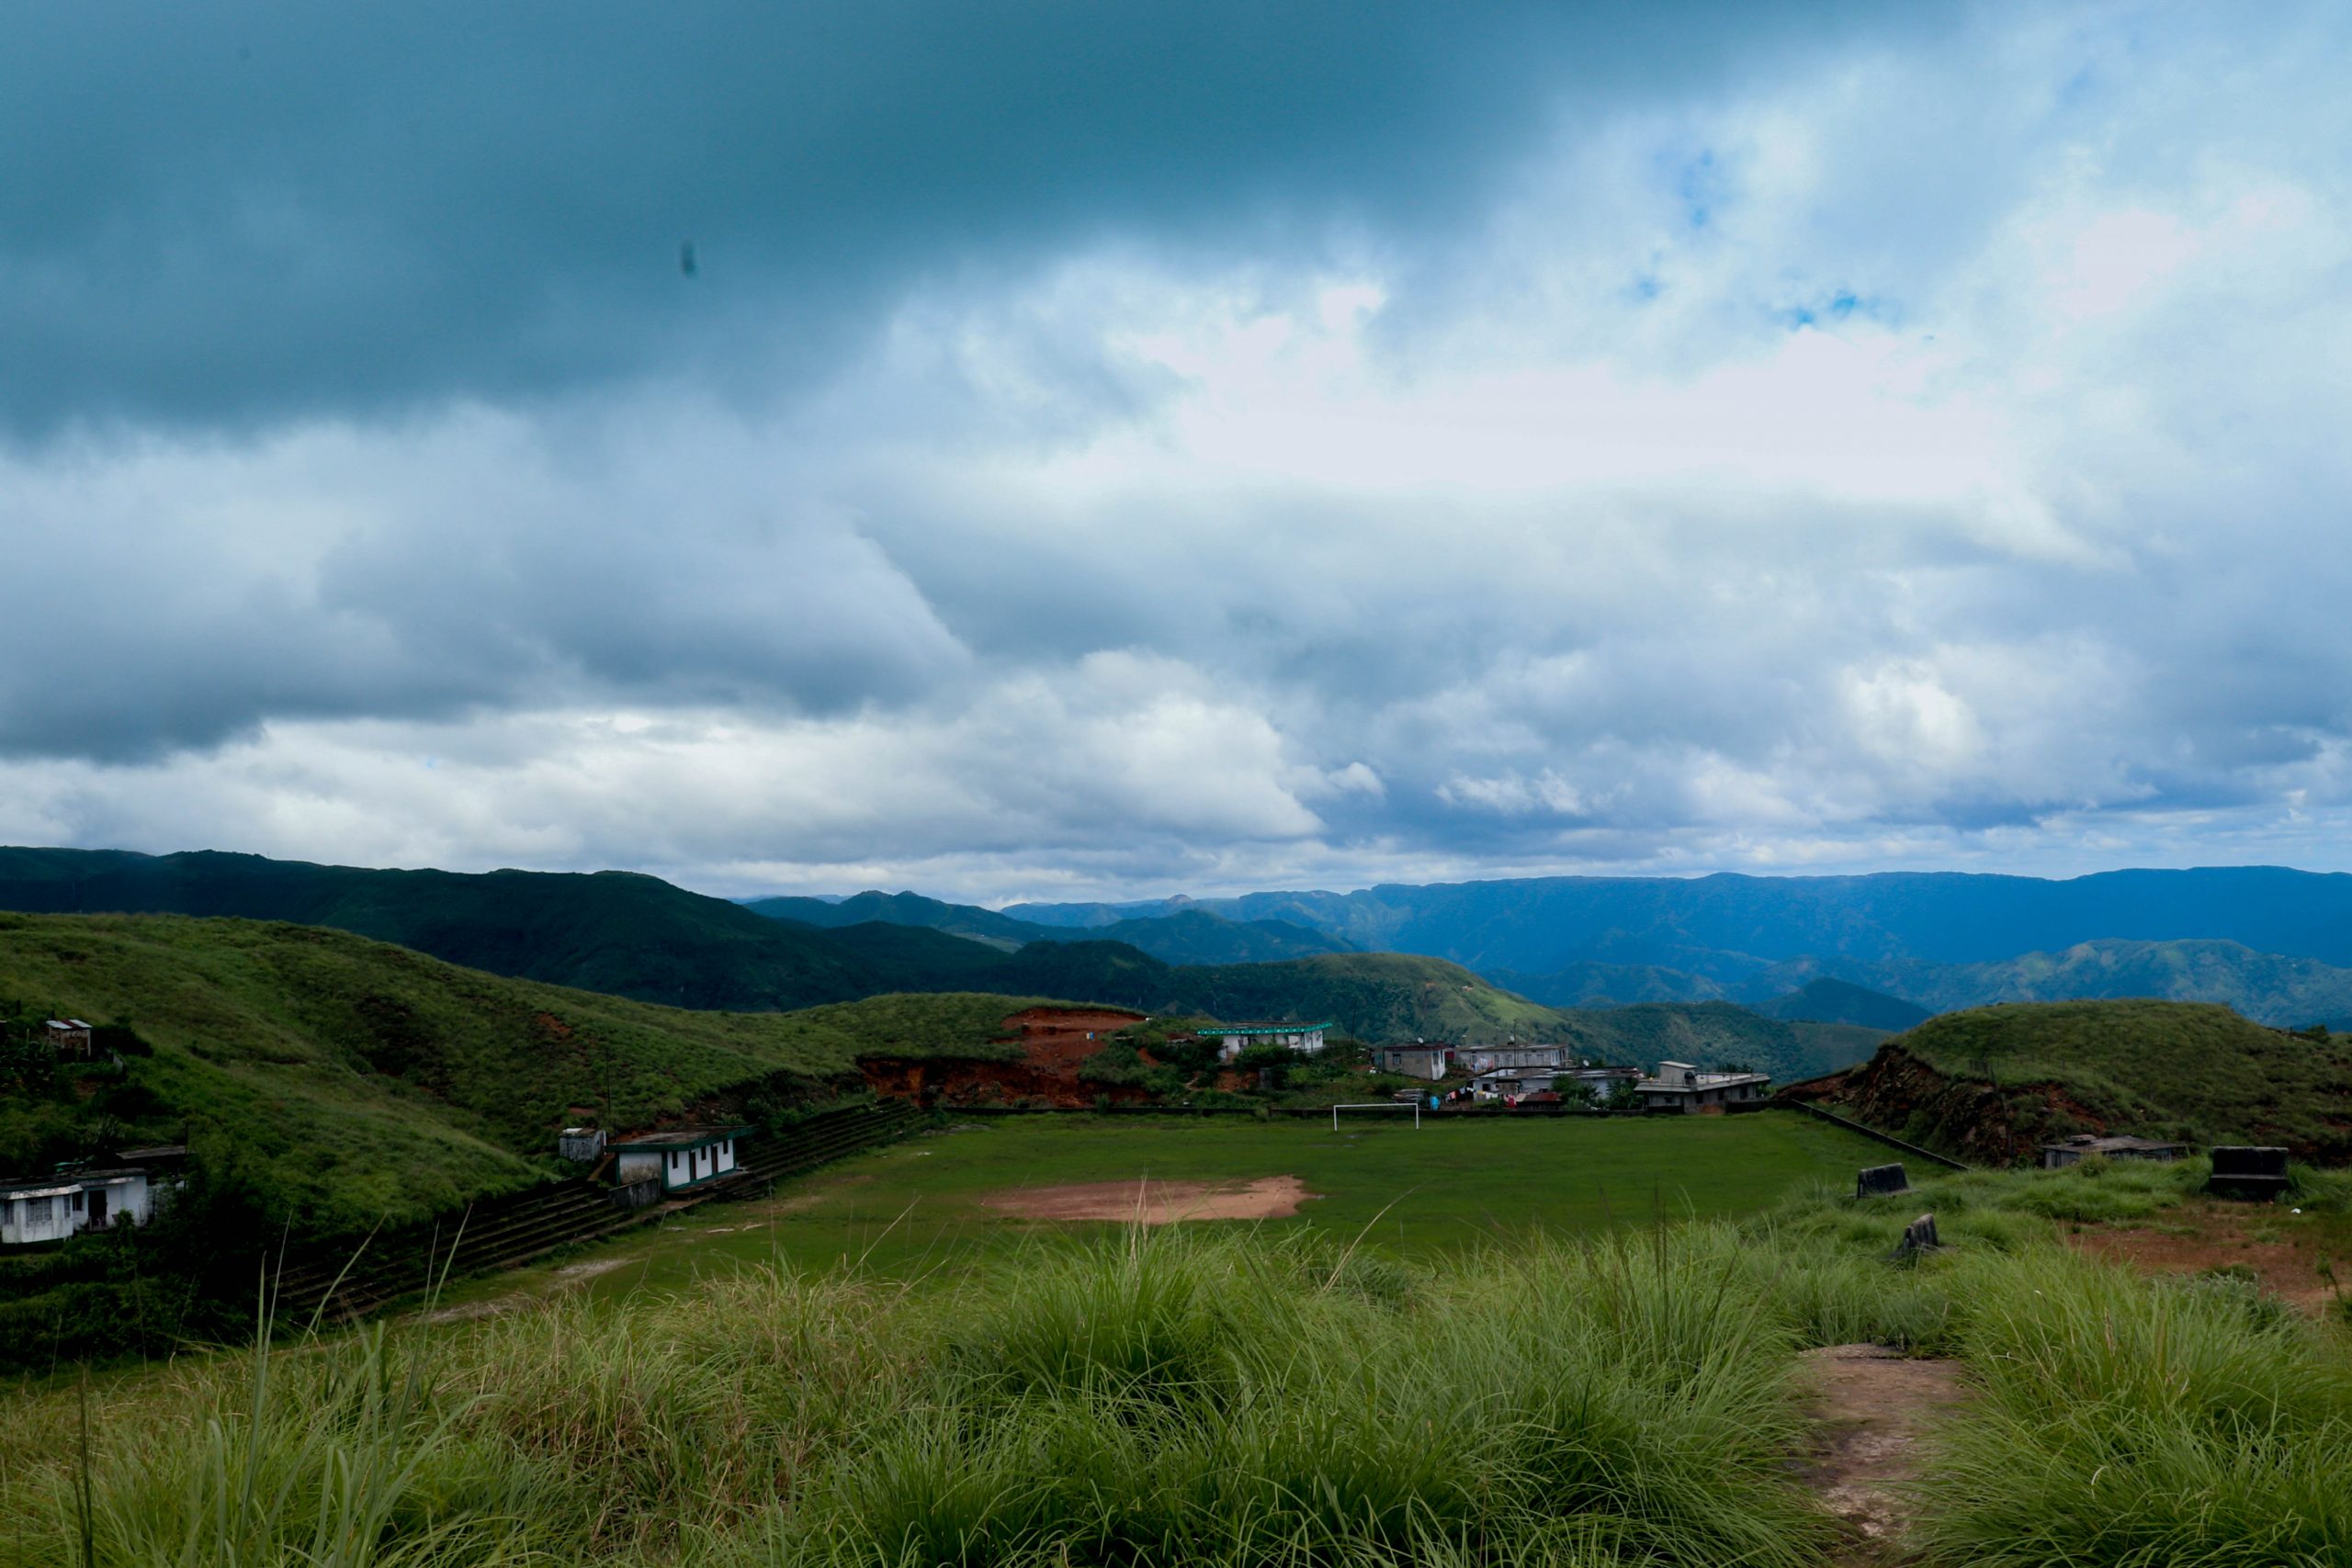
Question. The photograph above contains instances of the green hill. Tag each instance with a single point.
(1825, 1000)
(613, 931)
(1719, 1033)
(2265, 986)
(1997, 1081)
(359, 1079)
(1181, 936)
(1000, 932)
(1196, 936)
(1373, 996)
(1608, 984)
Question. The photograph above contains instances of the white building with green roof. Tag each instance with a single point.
(1305, 1038)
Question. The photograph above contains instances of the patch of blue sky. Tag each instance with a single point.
(1835, 307)
(1698, 183)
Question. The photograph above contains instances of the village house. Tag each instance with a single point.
(683, 1156)
(1303, 1038)
(1513, 1053)
(1519, 1082)
(1512, 1083)
(53, 1208)
(67, 1036)
(1680, 1087)
(1605, 1082)
(1415, 1061)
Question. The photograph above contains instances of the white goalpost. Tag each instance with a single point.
(1385, 1105)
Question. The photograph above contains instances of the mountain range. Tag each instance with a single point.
(1180, 936)
(2273, 943)
(641, 938)
(1873, 951)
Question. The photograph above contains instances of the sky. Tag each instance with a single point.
(1058, 450)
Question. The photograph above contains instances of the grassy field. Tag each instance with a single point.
(1447, 1188)
(1233, 1395)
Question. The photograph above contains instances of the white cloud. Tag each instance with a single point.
(1912, 456)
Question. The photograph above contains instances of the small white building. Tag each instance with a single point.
(67, 1036)
(586, 1144)
(1681, 1087)
(683, 1156)
(1305, 1038)
(55, 1207)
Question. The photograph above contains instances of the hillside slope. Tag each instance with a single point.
(1718, 1033)
(2265, 986)
(969, 920)
(359, 1079)
(1996, 1082)
(1373, 996)
(1825, 1000)
(613, 931)
(1184, 935)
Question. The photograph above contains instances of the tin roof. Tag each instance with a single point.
(1702, 1081)
(1224, 1029)
(678, 1138)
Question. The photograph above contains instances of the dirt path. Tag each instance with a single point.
(1874, 1404)
(1155, 1202)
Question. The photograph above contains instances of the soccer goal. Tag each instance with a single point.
(1385, 1105)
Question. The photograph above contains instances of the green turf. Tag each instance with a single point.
(915, 1205)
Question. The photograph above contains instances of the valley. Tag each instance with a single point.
(1068, 1183)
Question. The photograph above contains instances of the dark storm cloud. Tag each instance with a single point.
(232, 212)
(1216, 445)
(175, 598)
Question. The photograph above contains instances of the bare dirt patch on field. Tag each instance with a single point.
(1874, 1404)
(2200, 1237)
(1155, 1202)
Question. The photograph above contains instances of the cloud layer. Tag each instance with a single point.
(1086, 459)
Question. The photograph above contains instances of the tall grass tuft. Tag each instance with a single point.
(1175, 1398)
(342, 1456)
(2128, 1422)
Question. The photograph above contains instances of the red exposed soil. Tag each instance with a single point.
(1055, 1043)
(1986, 1123)
(1055, 1038)
(2200, 1237)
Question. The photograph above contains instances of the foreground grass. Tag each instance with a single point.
(1229, 1395)
(1158, 1397)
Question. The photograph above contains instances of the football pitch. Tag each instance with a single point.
(969, 1190)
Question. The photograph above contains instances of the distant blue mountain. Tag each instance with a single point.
(1731, 929)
